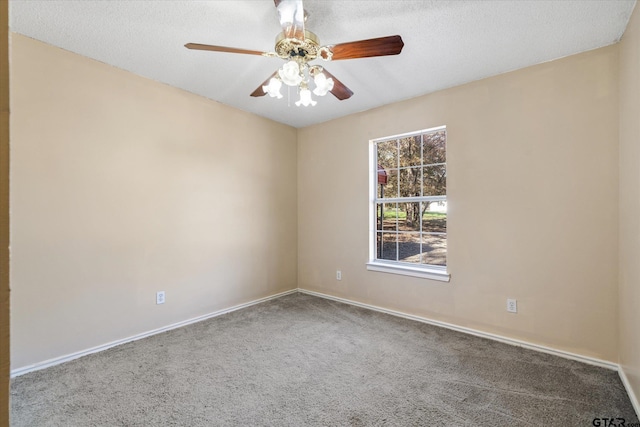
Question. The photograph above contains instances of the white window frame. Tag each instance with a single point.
(428, 271)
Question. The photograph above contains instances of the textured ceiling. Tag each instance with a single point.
(447, 43)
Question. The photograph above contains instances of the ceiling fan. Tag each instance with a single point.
(298, 47)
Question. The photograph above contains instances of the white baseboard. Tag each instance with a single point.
(506, 340)
(58, 360)
(630, 392)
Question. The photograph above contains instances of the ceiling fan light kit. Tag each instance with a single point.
(273, 88)
(305, 98)
(291, 73)
(323, 84)
(298, 47)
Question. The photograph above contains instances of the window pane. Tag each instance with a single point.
(390, 189)
(434, 148)
(409, 247)
(409, 216)
(434, 249)
(410, 151)
(390, 221)
(410, 182)
(388, 154)
(434, 180)
(387, 246)
(434, 217)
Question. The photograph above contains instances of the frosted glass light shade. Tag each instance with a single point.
(273, 88)
(323, 84)
(290, 73)
(305, 98)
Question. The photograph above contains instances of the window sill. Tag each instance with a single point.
(425, 273)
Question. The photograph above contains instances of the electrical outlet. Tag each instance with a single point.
(338, 275)
(160, 297)
(512, 305)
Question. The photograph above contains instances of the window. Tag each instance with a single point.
(408, 209)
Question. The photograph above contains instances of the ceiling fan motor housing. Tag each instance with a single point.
(304, 51)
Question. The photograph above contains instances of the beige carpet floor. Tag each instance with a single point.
(300, 360)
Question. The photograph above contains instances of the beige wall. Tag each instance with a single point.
(533, 207)
(121, 187)
(4, 214)
(630, 202)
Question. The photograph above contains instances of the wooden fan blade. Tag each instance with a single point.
(339, 90)
(382, 46)
(291, 14)
(198, 46)
(259, 91)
